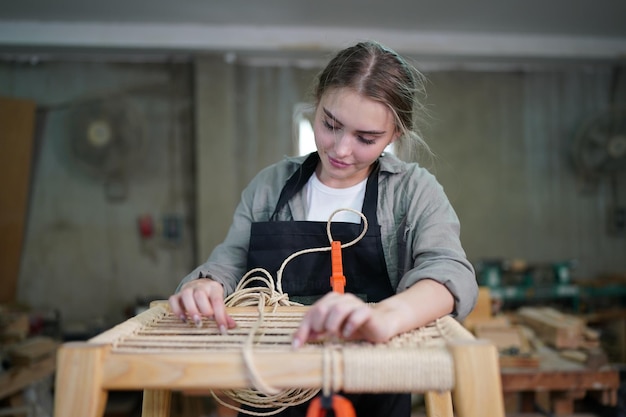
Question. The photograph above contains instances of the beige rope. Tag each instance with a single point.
(331, 372)
(130, 326)
(279, 274)
(395, 375)
(263, 395)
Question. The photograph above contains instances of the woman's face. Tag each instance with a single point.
(351, 131)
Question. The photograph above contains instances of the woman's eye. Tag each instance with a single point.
(330, 126)
(367, 141)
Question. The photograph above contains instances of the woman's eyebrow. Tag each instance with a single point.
(363, 132)
(330, 115)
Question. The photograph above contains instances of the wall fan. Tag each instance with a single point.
(600, 146)
(599, 154)
(106, 140)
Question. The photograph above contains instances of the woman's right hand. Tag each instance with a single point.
(202, 297)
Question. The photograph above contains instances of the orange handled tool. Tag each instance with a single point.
(341, 406)
(334, 405)
(337, 279)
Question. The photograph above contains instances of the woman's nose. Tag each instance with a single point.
(343, 144)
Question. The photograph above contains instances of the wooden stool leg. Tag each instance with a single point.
(438, 404)
(78, 386)
(478, 385)
(156, 403)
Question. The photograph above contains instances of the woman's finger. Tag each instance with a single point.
(359, 317)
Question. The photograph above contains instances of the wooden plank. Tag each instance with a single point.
(503, 338)
(473, 358)
(482, 310)
(33, 349)
(78, 385)
(17, 126)
(519, 361)
(216, 371)
(559, 330)
(15, 380)
(554, 380)
(156, 403)
(14, 325)
(438, 404)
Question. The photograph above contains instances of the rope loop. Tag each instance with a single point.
(271, 295)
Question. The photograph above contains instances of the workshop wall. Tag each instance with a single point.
(506, 145)
(503, 141)
(109, 223)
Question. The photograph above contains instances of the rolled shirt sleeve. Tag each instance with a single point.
(424, 235)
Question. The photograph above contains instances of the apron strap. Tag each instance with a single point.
(295, 183)
(298, 179)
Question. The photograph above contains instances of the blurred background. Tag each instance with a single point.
(128, 130)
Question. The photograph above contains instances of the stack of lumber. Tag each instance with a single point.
(566, 333)
(510, 339)
(26, 359)
(14, 325)
(521, 335)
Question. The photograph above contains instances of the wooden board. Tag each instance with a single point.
(562, 331)
(17, 123)
(503, 337)
(17, 379)
(32, 350)
(562, 380)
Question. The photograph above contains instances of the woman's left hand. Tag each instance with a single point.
(344, 316)
(348, 317)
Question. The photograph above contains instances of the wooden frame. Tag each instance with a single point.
(87, 371)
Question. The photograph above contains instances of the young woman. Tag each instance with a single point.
(408, 270)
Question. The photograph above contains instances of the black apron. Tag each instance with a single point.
(306, 278)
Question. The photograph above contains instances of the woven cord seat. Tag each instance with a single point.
(157, 353)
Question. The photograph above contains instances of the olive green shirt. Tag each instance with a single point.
(420, 230)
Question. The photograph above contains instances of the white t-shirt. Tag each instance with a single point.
(323, 200)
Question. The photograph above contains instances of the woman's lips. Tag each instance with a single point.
(337, 164)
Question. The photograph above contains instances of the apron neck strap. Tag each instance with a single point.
(298, 179)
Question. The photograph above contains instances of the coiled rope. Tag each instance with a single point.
(262, 395)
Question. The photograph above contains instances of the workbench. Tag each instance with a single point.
(559, 381)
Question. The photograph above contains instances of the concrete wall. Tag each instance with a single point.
(505, 142)
(83, 253)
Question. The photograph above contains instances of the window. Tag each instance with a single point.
(303, 129)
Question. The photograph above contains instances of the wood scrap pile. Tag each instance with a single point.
(566, 333)
(14, 325)
(512, 340)
(25, 357)
(521, 335)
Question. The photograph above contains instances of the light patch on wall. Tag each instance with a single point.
(303, 129)
(306, 138)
